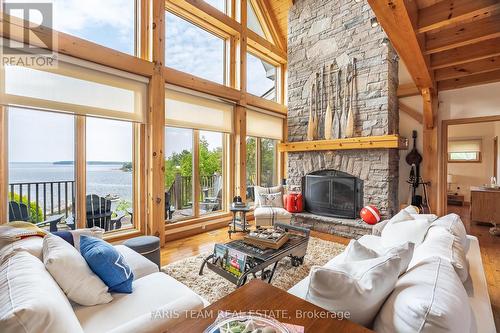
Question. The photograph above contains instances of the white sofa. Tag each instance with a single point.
(476, 285)
(157, 302)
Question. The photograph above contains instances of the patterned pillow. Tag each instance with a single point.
(107, 263)
(271, 200)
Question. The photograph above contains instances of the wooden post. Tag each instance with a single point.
(156, 128)
(80, 172)
(195, 178)
(4, 166)
(430, 170)
(240, 165)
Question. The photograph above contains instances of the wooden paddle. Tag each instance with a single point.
(328, 113)
(311, 121)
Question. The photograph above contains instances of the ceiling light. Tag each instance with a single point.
(385, 41)
(374, 22)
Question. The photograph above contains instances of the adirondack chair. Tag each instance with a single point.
(18, 211)
(99, 214)
(168, 205)
(212, 204)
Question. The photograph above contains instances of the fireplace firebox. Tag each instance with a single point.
(332, 193)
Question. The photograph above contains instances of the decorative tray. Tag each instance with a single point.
(267, 238)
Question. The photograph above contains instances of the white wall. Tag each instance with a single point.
(497, 134)
(473, 174)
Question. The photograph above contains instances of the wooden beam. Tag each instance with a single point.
(407, 90)
(156, 128)
(482, 50)
(77, 47)
(243, 48)
(266, 47)
(468, 81)
(80, 171)
(368, 142)
(447, 12)
(240, 161)
(273, 26)
(411, 112)
(429, 111)
(470, 68)
(430, 170)
(464, 34)
(398, 18)
(266, 104)
(4, 166)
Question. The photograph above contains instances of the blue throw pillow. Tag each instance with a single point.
(66, 235)
(107, 263)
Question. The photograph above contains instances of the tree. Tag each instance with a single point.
(33, 212)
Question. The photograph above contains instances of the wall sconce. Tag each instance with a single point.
(374, 22)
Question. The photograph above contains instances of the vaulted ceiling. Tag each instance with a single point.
(279, 9)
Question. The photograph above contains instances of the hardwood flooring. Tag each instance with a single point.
(490, 251)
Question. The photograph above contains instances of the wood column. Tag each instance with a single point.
(240, 162)
(80, 172)
(4, 166)
(156, 129)
(430, 170)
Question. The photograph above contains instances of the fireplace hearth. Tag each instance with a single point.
(332, 193)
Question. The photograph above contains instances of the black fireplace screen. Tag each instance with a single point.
(332, 193)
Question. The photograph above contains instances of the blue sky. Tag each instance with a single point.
(50, 137)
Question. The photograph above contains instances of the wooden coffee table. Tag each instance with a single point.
(258, 296)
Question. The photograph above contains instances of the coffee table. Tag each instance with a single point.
(258, 261)
(260, 297)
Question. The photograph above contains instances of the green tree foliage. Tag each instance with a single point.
(251, 161)
(33, 212)
(268, 162)
(210, 163)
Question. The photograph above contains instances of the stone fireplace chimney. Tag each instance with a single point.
(321, 32)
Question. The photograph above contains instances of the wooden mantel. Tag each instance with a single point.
(365, 142)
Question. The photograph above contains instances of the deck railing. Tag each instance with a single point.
(181, 190)
(56, 197)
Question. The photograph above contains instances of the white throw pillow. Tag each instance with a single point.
(403, 215)
(71, 272)
(271, 200)
(428, 298)
(359, 287)
(32, 245)
(355, 251)
(258, 191)
(440, 243)
(94, 232)
(30, 299)
(454, 225)
(396, 233)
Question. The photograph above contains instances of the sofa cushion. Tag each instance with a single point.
(428, 298)
(259, 190)
(271, 200)
(358, 287)
(355, 251)
(440, 243)
(271, 215)
(32, 245)
(399, 232)
(72, 274)
(30, 299)
(140, 265)
(152, 294)
(95, 232)
(454, 225)
(107, 263)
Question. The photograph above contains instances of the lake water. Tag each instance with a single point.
(102, 180)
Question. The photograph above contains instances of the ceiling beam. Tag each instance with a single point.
(430, 111)
(411, 112)
(399, 19)
(463, 34)
(471, 80)
(407, 90)
(447, 12)
(474, 67)
(464, 54)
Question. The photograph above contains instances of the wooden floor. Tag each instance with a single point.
(490, 251)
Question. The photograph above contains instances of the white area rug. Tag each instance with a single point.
(213, 287)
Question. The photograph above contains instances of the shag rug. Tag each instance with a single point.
(213, 287)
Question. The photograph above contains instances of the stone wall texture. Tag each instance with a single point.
(321, 32)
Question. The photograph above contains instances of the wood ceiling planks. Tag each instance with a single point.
(464, 54)
(469, 68)
(279, 9)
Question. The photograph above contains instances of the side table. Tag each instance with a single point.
(235, 225)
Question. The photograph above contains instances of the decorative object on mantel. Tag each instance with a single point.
(337, 106)
(349, 126)
(370, 214)
(391, 141)
(312, 123)
(328, 113)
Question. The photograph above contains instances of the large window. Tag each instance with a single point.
(261, 77)
(262, 164)
(193, 50)
(211, 170)
(219, 4)
(464, 151)
(110, 23)
(253, 21)
(178, 174)
(41, 163)
(110, 170)
(251, 170)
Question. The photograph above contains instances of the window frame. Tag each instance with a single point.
(478, 158)
(278, 89)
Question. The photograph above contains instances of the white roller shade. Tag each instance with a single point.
(464, 146)
(78, 87)
(264, 125)
(189, 110)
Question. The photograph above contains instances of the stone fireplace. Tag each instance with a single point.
(321, 32)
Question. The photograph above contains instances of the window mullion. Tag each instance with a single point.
(80, 171)
(196, 173)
